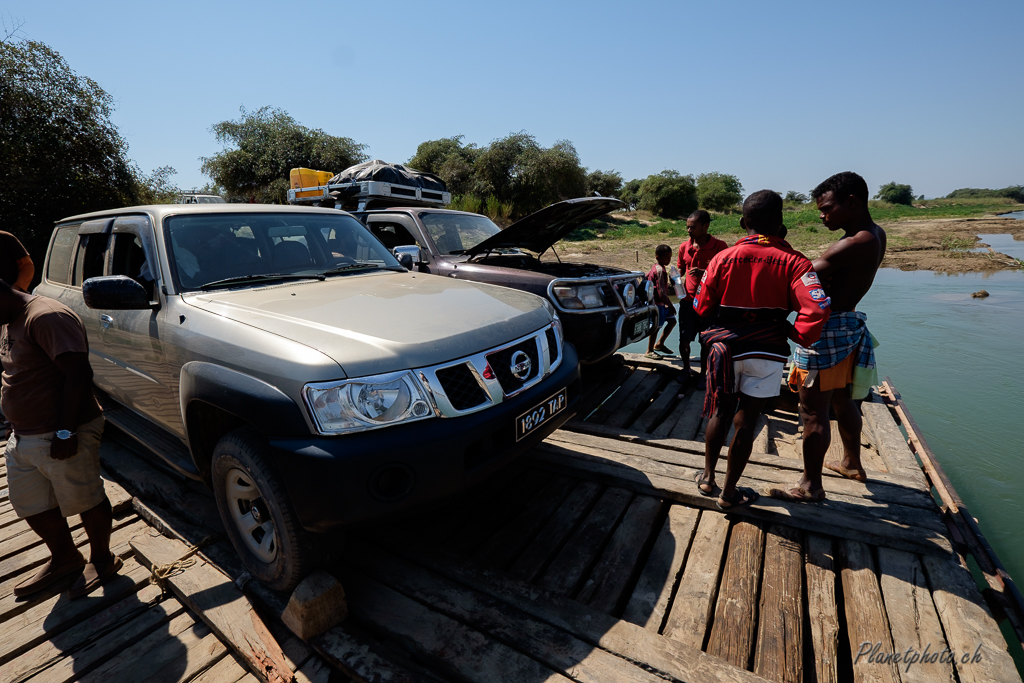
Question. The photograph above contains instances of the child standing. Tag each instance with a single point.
(666, 310)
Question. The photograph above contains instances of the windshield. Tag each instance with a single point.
(210, 200)
(211, 248)
(454, 233)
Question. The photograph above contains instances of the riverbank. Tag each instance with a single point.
(925, 238)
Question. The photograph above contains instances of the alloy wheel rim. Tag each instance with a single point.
(250, 515)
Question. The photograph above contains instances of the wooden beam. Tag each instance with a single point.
(780, 642)
(649, 602)
(821, 607)
(361, 658)
(694, 601)
(509, 542)
(220, 604)
(735, 627)
(866, 622)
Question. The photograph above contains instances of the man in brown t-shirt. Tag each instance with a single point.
(16, 267)
(53, 466)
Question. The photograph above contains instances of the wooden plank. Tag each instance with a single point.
(452, 646)
(183, 650)
(769, 472)
(497, 512)
(650, 599)
(968, 623)
(503, 547)
(613, 402)
(228, 670)
(674, 660)
(573, 429)
(607, 582)
(637, 401)
(866, 621)
(890, 443)
(735, 627)
(63, 658)
(48, 617)
(220, 604)
(643, 361)
(670, 421)
(821, 608)
(659, 407)
(912, 617)
(823, 517)
(779, 652)
(583, 547)
(361, 658)
(499, 621)
(762, 443)
(690, 421)
(690, 612)
(594, 396)
(533, 560)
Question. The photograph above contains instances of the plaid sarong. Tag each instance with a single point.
(843, 334)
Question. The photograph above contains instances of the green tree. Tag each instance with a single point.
(796, 197)
(59, 151)
(265, 145)
(157, 188)
(604, 183)
(630, 193)
(668, 194)
(895, 193)
(718, 191)
(450, 160)
(1014, 192)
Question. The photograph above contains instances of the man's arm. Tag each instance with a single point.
(707, 298)
(26, 271)
(812, 307)
(77, 384)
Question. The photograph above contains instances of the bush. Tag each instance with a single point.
(895, 193)
(630, 193)
(1014, 192)
(796, 197)
(604, 183)
(718, 191)
(668, 194)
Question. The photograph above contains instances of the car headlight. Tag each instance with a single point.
(367, 402)
(579, 297)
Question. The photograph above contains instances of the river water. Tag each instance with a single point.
(958, 363)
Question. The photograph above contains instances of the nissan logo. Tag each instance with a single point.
(521, 365)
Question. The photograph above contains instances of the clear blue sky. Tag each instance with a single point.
(781, 94)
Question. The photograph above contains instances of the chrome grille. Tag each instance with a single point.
(461, 387)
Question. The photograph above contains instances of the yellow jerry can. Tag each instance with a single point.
(307, 177)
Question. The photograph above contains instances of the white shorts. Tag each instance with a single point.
(758, 377)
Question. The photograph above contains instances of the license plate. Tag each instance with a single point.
(538, 415)
(640, 327)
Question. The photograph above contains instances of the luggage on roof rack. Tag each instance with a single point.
(373, 183)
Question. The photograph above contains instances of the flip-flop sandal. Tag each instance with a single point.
(703, 482)
(46, 577)
(837, 467)
(84, 585)
(652, 355)
(796, 494)
(661, 348)
(741, 496)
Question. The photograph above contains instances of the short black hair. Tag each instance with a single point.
(701, 216)
(762, 211)
(662, 249)
(842, 185)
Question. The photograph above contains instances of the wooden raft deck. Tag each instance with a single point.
(594, 559)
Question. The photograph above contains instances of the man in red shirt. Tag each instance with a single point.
(748, 291)
(693, 259)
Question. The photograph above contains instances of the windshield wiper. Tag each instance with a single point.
(351, 267)
(261, 277)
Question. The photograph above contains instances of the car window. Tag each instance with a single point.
(89, 257)
(209, 248)
(59, 265)
(453, 232)
(392, 235)
(130, 259)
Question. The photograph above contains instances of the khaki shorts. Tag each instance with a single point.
(38, 483)
(758, 377)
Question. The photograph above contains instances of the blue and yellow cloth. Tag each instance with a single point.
(844, 333)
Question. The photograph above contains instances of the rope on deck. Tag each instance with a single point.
(159, 573)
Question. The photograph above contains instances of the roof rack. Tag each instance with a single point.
(359, 195)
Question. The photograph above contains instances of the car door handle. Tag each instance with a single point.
(106, 320)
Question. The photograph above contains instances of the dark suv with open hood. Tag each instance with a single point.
(602, 308)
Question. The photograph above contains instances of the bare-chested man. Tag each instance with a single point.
(840, 367)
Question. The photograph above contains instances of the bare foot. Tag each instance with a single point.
(796, 494)
(49, 574)
(856, 474)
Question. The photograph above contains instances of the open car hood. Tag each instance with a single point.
(538, 231)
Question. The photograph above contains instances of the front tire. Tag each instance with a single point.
(257, 514)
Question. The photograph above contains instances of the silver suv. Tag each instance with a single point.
(310, 380)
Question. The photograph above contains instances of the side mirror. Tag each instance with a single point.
(115, 293)
(409, 256)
